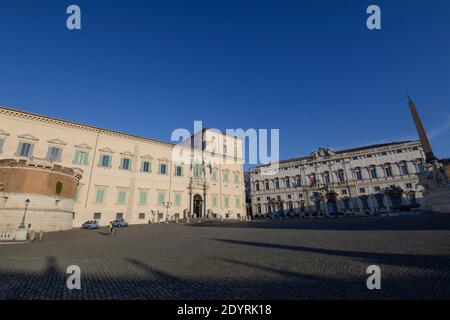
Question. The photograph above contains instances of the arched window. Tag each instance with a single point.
(326, 177)
(358, 174)
(388, 170)
(287, 182)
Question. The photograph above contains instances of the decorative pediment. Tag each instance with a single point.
(147, 156)
(3, 133)
(127, 153)
(108, 150)
(83, 146)
(28, 136)
(57, 141)
(163, 159)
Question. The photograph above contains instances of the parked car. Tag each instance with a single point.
(279, 215)
(90, 224)
(119, 223)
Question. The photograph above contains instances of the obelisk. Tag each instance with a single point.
(429, 156)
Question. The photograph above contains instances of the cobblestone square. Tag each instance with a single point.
(283, 259)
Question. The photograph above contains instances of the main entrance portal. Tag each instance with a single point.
(198, 204)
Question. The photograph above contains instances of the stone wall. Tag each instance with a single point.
(44, 213)
(50, 188)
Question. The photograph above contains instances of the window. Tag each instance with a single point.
(237, 201)
(54, 153)
(178, 171)
(100, 196)
(105, 161)
(344, 191)
(377, 188)
(97, 215)
(362, 190)
(299, 182)
(358, 174)
(236, 178)
(2, 141)
(197, 169)
(161, 197)
(327, 178)
(162, 168)
(257, 186)
(404, 168)
(146, 166)
(300, 195)
(77, 194)
(267, 185)
(289, 196)
(143, 197)
(225, 176)
(409, 185)
(340, 175)
(277, 184)
(288, 183)
(141, 216)
(122, 197)
(214, 175)
(373, 172)
(214, 201)
(177, 199)
(388, 171)
(420, 167)
(25, 149)
(81, 157)
(226, 201)
(125, 163)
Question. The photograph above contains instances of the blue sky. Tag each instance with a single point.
(310, 68)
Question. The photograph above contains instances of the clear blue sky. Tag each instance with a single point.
(310, 68)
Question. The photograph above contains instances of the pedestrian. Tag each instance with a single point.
(110, 228)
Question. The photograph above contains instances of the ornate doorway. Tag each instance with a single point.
(198, 205)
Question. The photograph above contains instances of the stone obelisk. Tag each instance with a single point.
(429, 156)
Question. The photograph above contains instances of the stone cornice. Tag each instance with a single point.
(73, 125)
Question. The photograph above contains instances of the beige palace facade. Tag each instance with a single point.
(126, 176)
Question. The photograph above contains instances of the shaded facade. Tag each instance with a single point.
(366, 180)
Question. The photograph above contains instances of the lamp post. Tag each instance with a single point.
(167, 205)
(22, 224)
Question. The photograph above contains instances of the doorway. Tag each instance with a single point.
(198, 206)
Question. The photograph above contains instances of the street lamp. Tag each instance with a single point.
(22, 224)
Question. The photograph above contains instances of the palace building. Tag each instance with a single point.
(123, 176)
(366, 180)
